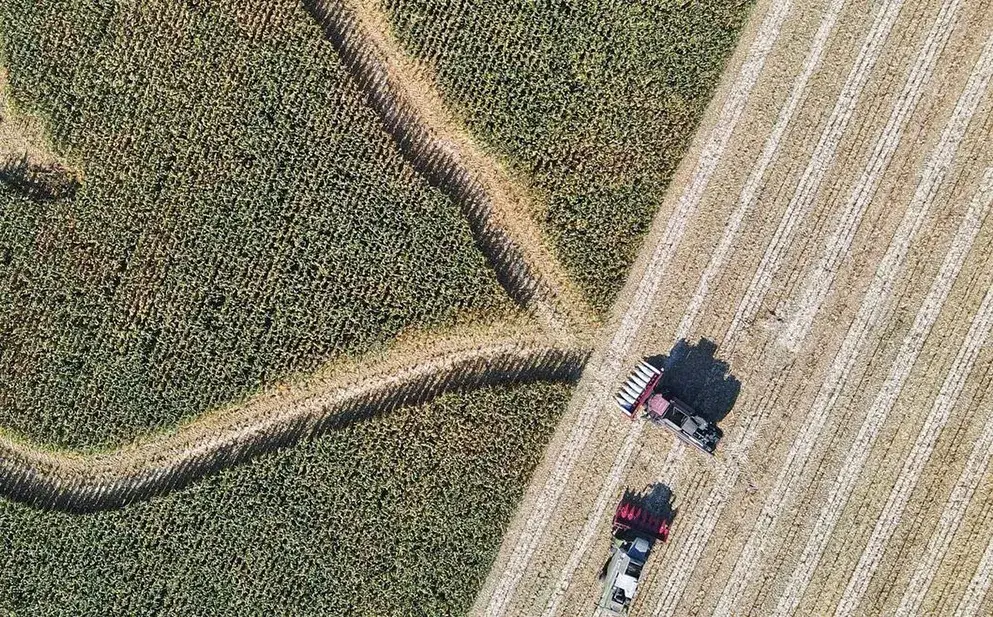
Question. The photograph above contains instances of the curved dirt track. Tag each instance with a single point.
(413, 113)
(500, 219)
(406, 375)
(840, 253)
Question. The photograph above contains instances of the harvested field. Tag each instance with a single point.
(829, 232)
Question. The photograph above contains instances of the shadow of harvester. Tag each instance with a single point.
(693, 374)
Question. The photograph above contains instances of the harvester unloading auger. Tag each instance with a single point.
(641, 391)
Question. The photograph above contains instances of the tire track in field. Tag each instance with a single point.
(871, 313)
(610, 363)
(80, 482)
(979, 585)
(820, 279)
(718, 260)
(920, 453)
(796, 210)
(874, 418)
(955, 506)
(813, 175)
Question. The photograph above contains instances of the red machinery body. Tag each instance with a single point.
(630, 516)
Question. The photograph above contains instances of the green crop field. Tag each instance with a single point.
(204, 201)
(400, 515)
(242, 218)
(591, 104)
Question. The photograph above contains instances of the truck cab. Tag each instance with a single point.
(627, 559)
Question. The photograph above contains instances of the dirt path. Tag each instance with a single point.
(409, 373)
(499, 212)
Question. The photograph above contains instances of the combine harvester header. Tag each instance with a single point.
(635, 531)
(641, 391)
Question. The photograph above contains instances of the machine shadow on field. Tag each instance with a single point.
(656, 499)
(693, 374)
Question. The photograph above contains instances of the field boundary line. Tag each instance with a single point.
(608, 363)
(820, 278)
(813, 175)
(399, 377)
(717, 260)
(886, 398)
(414, 114)
(920, 454)
(872, 311)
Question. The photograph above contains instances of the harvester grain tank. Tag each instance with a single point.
(635, 531)
(641, 392)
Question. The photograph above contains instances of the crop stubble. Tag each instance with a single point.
(907, 160)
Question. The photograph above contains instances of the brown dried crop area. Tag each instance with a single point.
(828, 237)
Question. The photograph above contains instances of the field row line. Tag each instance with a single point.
(813, 175)
(820, 278)
(609, 363)
(979, 585)
(952, 515)
(877, 414)
(414, 115)
(402, 376)
(919, 456)
(756, 178)
(871, 313)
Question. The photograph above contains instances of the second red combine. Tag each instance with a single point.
(641, 391)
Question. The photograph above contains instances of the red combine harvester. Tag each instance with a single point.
(635, 532)
(640, 391)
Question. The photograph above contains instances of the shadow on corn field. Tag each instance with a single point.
(693, 374)
(39, 182)
(114, 480)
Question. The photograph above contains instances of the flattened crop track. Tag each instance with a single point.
(838, 239)
(555, 349)
(87, 482)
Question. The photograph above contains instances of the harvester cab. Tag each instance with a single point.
(641, 392)
(635, 531)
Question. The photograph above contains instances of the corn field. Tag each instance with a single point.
(292, 293)
(396, 516)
